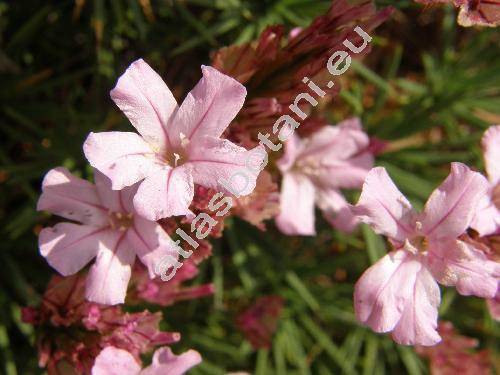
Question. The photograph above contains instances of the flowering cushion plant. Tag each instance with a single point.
(193, 172)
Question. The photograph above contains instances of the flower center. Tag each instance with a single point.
(120, 221)
(495, 196)
(178, 156)
(309, 166)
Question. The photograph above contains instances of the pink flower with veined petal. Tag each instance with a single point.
(487, 219)
(177, 146)
(399, 293)
(315, 169)
(110, 231)
(114, 361)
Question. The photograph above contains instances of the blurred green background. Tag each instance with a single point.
(429, 86)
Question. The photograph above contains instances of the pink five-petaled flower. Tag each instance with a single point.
(487, 219)
(315, 169)
(114, 361)
(110, 231)
(399, 292)
(177, 146)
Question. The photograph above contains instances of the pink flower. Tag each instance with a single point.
(315, 169)
(110, 231)
(487, 219)
(399, 293)
(454, 354)
(114, 361)
(177, 146)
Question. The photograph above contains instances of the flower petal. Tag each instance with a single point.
(383, 207)
(114, 200)
(124, 157)
(487, 218)
(418, 323)
(69, 247)
(459, 264)
(336, 209)
(147, 102)
(491, 149)
(71, 197)
(345, 174)
(108, 278)
(383, 291)
(297, 205)
(114, 361)
(451, 207)
(293, 147)
(151, 243)
(340, 142)
(209, 108)
(220, 164)
(167, 363)
(168, 192)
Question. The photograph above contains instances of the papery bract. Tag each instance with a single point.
(315, 169)
(260, 320)
(177, 146)
(399, 293)
(167, 293)
(73, 331)
(473, 12)
(454, 354)
(110, 231)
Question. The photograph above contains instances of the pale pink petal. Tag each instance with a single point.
(208, 109)
(353, 123)
(344, 174)
(220, 164)
(451, 207)
(147, 102)
(297, 205)
(491, 149)
(114, 200)
(124, 157)
(69, 247)
(108, 277)
(293, 147)
(336, 142)
(487, 218)
(418, 323)
(336, 209)
(383, 207)
(168, 192)
(459, 264)
(167, 363)
(151, 243)
(71, 197)
(114, 361)
(384, 290)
